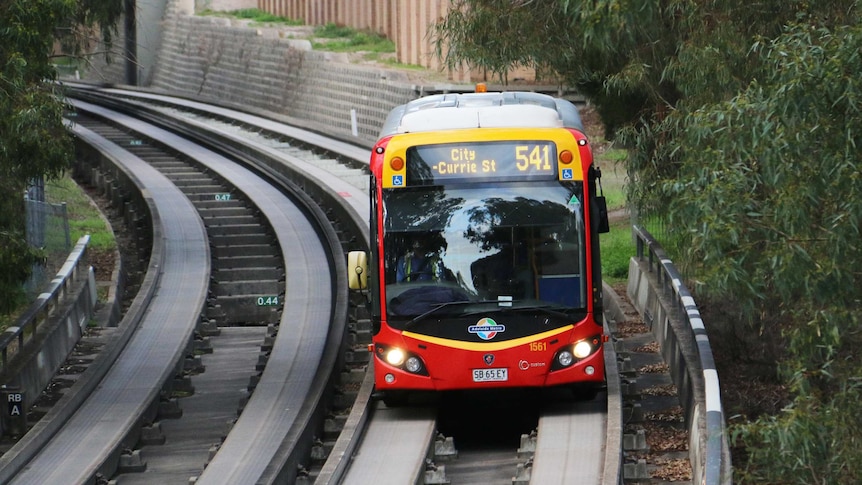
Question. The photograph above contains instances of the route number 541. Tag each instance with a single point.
(535, 158)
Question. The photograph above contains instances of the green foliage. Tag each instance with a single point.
(347, 39)
(809, 442)
(617, 249)
(768, 182)
(81, 24)
(477, 34)
(33, 140)
(260, 16)
(763, 189)
(595, 46)
(255, 15)
(16, 259)
(742, 121)
(84, 216)
(333, 31)
(635, 60)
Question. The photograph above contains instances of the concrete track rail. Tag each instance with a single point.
(164, 321)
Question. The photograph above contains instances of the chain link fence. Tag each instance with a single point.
(47, 229)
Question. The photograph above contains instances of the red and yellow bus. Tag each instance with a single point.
(484, 268)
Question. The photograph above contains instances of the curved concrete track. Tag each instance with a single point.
(308, 305)
(90, 437)
(88, 443)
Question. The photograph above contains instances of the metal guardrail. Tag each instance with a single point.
(687, 346)
(14, 339)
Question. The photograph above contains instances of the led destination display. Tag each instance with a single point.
(481, 162)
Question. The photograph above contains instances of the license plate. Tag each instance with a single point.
(490, 375)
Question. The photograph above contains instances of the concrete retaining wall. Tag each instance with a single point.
(256, 69)
(207, 59)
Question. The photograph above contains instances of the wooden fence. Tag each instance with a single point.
(406, 22)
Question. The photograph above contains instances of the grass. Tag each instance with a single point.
(617, 249)
(391, 61)
(333, 31)
(66, 65)
(612, 163)
(330, 37)
(347, 39)
(84, 216)
(617, 246)
(257, 16)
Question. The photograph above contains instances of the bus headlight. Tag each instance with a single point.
(565, 358)
(572, 353)
(582, 349)
(400, 358)
(395, 357)
(413, 365)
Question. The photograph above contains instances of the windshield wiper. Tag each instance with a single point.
(546, 309)
(437, 308)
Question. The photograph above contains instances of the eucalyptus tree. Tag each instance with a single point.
(771, 181)
(743, 122)
(33, 142)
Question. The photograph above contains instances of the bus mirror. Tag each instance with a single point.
(357, 270)
(603, 225)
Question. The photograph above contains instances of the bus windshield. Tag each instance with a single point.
(515, 244)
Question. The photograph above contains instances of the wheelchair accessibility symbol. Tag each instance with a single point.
(568, 174)
(397, 180)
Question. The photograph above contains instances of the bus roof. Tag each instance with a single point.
(514, 109)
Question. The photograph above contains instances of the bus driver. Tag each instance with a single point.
(420, 263)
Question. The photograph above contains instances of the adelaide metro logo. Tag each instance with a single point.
(486, 329)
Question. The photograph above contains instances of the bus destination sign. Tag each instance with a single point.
(481, 162)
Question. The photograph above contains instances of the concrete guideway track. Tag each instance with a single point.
(219, 371)
(293, 363)
(326, 187)
(296, 354)
(395, 446)
(93, 433)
